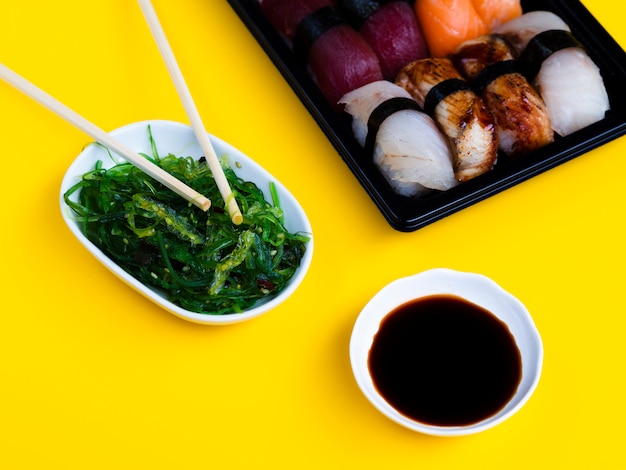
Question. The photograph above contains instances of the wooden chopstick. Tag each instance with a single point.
(103, 138)
(192, 112)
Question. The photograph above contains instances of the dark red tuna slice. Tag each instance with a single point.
(285, 16)
(338, 58)
(341, 61)
(391, 29)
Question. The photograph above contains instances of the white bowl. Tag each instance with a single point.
(474, 288)
(179, 139)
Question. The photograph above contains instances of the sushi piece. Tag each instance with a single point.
(337, 57)
(558, 66)
(405, 143)
(463, 117)
(341, 61)
(496, 12)
(285, 16)
(521, 116)
(448, 23)
(391, 29)
(521, 30)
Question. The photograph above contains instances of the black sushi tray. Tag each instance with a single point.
(409, 214)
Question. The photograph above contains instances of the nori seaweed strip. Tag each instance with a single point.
(314, 26)
(382, 112)
(542, 46)
(493, 71)
(358, 11)
(441, 91)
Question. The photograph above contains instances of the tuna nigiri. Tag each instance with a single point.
(391, 29)
(341, 61)
(521, 116)
(408, 148)
(463, 117)
(337, 57)
(448, 23)
(285, 16)
(565, 76)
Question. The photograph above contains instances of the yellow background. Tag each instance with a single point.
(95, 376)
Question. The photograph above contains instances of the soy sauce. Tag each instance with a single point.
(444, 361)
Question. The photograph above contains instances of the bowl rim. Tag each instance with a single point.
(232, 154)
(442, 281)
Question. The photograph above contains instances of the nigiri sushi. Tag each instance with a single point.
(390, 28)
(285, 16)
(448, 23)
(496, 12)
(521, 116)
(407, 147)
(567, 79)
(463, 117)
(337, 57)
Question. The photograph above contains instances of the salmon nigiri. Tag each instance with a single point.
(496, 12)
(448, 23)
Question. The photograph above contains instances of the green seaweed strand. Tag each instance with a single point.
(199, 260)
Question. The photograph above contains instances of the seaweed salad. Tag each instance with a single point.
(199, 260)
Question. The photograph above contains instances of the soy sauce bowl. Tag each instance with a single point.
(179, 139)
(469, 288)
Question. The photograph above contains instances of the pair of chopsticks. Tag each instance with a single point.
(129, 155)
(191, 110)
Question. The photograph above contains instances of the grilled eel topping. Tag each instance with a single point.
(462, 116)
(520, 114)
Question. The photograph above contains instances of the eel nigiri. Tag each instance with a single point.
(557, 65)
(521, 116)
(391, 29)
(462, 115)
(448, 23)
(406, 145)
(337, 57)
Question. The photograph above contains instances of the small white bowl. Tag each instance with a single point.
(474, 288)
(179, 139)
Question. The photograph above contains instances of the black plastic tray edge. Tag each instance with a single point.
(603, 48)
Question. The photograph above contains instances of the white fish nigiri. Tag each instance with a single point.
(568, 81)
(409, 149)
